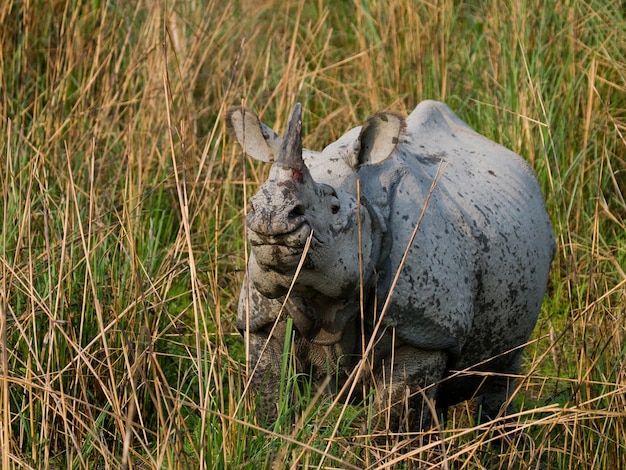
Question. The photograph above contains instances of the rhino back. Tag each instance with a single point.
(476, 273)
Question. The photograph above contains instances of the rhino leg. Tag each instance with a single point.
(264, 363)
(490, 403)
(493, 394)
(489, 391)
(409, 376)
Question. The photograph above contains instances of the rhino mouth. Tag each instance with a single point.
(279, 249)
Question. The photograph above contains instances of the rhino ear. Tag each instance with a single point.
(256, 139)
(378, 138)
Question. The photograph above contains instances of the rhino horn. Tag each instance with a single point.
(291, 151)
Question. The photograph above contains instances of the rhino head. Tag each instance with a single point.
(293, 215)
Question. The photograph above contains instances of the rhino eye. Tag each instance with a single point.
(334, 207)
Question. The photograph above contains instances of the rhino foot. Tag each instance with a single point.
(405, 390)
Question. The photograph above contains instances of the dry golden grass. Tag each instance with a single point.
(121, 200)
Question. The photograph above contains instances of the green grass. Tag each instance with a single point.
(122, 201)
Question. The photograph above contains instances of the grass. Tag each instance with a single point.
(121, 201)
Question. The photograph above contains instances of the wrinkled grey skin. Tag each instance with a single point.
(467, 296)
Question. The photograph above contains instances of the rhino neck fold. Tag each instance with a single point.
(322, 320)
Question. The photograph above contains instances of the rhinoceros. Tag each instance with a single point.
(418, 241)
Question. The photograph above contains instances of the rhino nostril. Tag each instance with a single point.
(297, 211)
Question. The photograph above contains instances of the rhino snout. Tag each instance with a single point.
(280, 252)
(275, 218)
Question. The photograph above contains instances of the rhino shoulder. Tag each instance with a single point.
(431, 114)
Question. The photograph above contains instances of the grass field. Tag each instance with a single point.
(122, 202)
